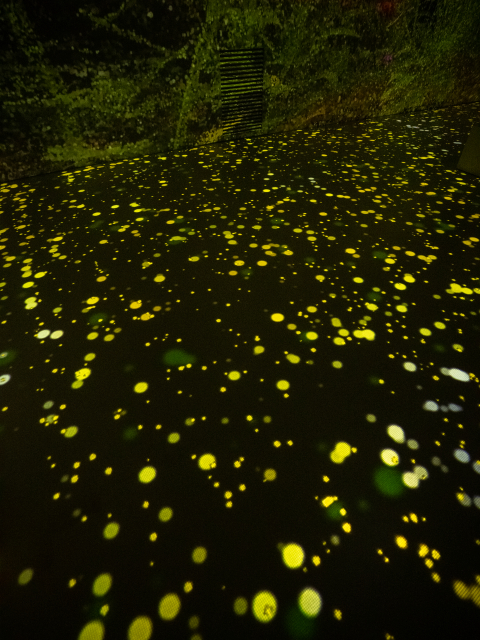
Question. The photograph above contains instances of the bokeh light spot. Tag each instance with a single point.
(140, 629)
(293, 555)
(169, 606)
(264, 606)
(147, 474)
(310, 602)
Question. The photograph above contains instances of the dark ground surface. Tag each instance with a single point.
(138, 333)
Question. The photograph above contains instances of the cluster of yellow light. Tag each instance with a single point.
(342, 450)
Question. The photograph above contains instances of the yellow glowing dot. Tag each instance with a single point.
(461, 589)
(401, 542)
(257, 350)
(358, 333)
(338, 614)
(311, 335)
(159, 278)
(402, 308)
(475, 595)
(337, 364)
(140, 629)
(350, 250)
(70, 432)
(25, 576)
(358, 280)
(283, 385)
(390, 457)
(343, 449)
(369, 334)
(344, 332)
(400, 285)
(293, 555)
(425, 332)
(407, 277)
(234, 375)
(339, 341)
(423, 550)
(81, 374)
(147, 474)
(111, 530)
(102, 585)
(262, 263)
(264, 606)
(92, 631)
(439, 325)
(165, 514)
(169, 606)
(270, 474)
(311, 309)
(140, 387)
(199, 555)
(207, 462)
(277, 317)
(240, 606)
(293, 358)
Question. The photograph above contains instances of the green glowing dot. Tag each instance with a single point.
(389, 481)
(173, 438)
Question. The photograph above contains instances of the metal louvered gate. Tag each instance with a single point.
(241, 72)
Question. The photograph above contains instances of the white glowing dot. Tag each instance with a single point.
(461, 455)
(410, 480)
(396, 433)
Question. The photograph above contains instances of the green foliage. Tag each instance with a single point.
(127, 88)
